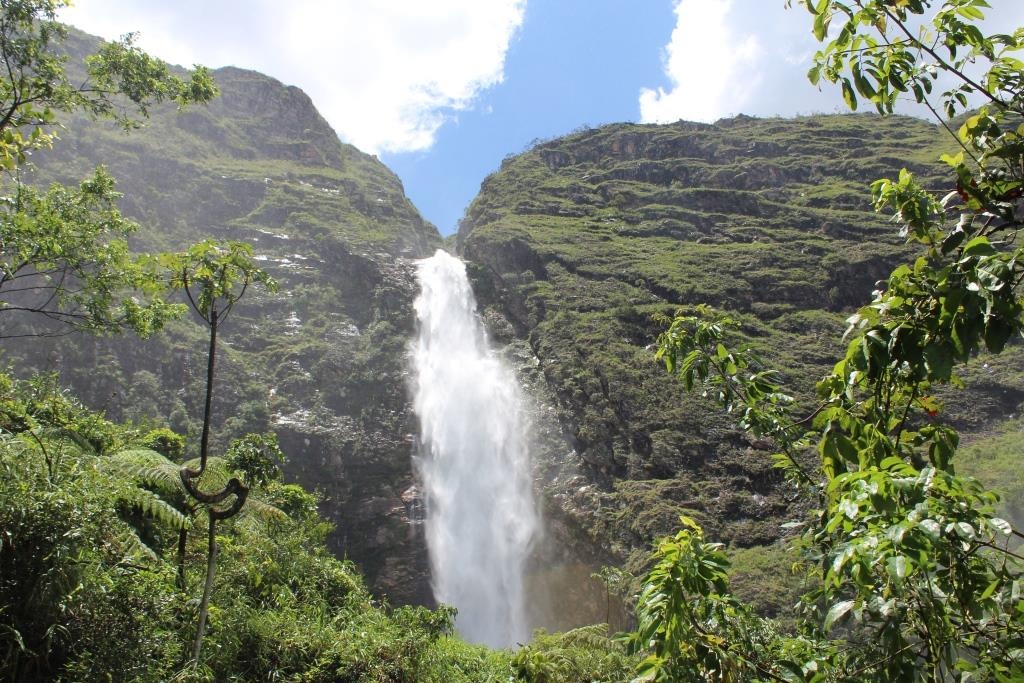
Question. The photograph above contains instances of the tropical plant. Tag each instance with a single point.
(214, 277)
(587, 653)
(917, 578)
(78, 590)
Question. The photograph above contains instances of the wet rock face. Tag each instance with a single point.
(349, 429)
(371, 495)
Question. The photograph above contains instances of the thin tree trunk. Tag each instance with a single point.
(208, 407)
(182, 540)
(204, 606)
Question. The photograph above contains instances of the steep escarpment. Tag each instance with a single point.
(578, 243)
(320, 362)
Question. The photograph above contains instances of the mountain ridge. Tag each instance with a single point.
(578, 244)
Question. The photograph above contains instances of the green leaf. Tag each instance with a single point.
(848, 96)
(953, 161)
(820, 27)
(1001, 525)
(979, 246)
(898, 567)
(837, 612)
(864, 86)
(988, 592)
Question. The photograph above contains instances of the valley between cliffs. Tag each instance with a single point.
(574, 247)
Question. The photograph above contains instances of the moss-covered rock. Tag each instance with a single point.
(575, 246)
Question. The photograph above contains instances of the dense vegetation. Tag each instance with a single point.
(912, 574)
(94, 585)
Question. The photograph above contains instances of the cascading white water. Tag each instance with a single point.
(474, 462)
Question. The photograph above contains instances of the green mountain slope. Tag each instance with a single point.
(321, 362)
(579, 241)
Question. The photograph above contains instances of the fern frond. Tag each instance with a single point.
(592, 636)
(153, 506)
(146, 467)
(141, 456)
(262, 510)
(58, 434)
(136, 546)
(217, 473)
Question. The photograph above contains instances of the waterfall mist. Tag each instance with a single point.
(474, 461)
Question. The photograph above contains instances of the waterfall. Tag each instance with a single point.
(473, 462)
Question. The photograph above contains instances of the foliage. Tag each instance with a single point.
(582, 654)
(66, 260)
(910, 556)
(215, 276)
(689, 622)
(74, 591)
(80, 600)
(122, 81)
(258, 457)
(165, 442)
(64, 256)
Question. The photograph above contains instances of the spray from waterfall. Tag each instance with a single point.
(474, 462)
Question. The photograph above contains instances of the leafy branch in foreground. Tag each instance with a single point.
(65, 263)
(917, 579)
(64, 258)
(121, 81)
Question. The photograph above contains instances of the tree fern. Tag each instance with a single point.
(216, 475)
(594, 636)
(153, 507)
(147, 467)
(152, 488)
(159, 479)
(261, 511)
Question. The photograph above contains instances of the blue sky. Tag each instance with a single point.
(572, 63)
(442, 90)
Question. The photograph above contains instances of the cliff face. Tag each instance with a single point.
(576, 244)
(322, 362)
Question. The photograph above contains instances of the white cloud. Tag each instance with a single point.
(712, 70)
(386, 74)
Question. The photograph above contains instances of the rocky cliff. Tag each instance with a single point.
(578, 243)
(321, 362)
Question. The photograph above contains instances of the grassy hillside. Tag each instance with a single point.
(578, 243)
